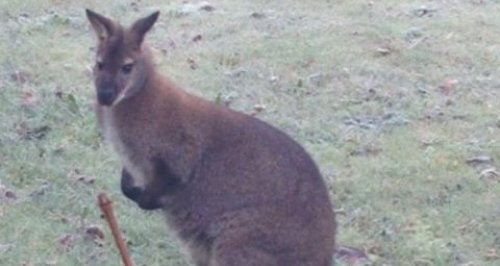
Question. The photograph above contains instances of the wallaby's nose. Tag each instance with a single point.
(106, 96)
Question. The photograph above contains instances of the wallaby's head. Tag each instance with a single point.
(122, 65)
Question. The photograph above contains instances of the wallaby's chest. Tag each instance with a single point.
(131, 157)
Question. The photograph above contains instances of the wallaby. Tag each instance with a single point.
(237, 191)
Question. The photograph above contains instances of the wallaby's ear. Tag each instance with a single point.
(143, 25)
(103, 26)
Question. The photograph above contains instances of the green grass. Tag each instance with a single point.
(358, 83)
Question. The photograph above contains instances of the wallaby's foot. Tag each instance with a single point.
(147, 203)
(246, 256)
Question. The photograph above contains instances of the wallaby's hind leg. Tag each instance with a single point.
(271, 236)
(245, 256)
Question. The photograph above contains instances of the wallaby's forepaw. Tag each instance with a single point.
(128, 189)
(146, 200)
(147, 203)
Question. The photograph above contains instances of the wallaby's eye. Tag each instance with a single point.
(127, 68)
(100, 65)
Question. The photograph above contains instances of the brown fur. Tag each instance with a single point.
(237, 191)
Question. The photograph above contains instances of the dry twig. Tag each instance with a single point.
(107, 211)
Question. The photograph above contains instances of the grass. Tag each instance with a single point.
(391, 98)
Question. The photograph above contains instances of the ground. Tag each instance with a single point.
(397, 101)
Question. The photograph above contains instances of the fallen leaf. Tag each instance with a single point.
(39, 191)
(10, 195)
(89, 70)
(367, 150)
(7, 195)
(192, 64)
(205, 6)
(410, 228)
(414, 35)
(468, 227)
(258, 15)
(20, 76)
(351, 255)
(423, 11)
(340, 212)
(375, 249)
(77, 176)
(316, 79)
(479, 160)
(28, 99)
(257, 109)
(72, 104)
(94, 231)
(490, 174)
(492, 254)
(197, 38)
(275, 78)
(5, 247)
(135, 6)
(448, 86)
(383, 51)
(86, 179)
(67, 241)
(28, 133)
(38, 132)
(189, 9)
(59, 94)
(51, 262)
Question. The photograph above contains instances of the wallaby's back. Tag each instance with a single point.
(265, 190)
(237, 191)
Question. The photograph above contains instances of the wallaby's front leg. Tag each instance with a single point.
(147, 198)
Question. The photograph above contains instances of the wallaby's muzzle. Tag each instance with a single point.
(106, 96)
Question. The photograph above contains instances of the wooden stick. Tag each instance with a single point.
(107, 211)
